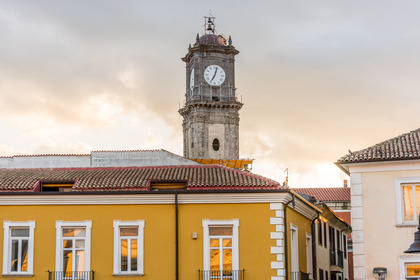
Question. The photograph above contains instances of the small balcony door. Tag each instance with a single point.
(73, 250)
(221, 249)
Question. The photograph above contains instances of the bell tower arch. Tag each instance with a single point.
(211, 110)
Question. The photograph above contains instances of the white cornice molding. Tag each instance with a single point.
(305, 210)
(399, 165)
(139, 199)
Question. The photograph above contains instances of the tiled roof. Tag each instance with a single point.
(326, 194)
(206, 177)
(403, 147)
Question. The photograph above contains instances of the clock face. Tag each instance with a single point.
(214, 75)
(192, 80)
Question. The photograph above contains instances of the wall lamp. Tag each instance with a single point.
(415, 247)
(379, 273)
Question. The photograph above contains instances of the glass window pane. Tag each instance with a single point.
(227, 242)
(408, 203)
(413, 269)
(124, 255)
(417, 202)
(129, 231)
(133, 255)
(220, 230)
(74, 232)
(227, 259)
(67, 260)
(214, 259)
(67, 243)
(80, 260)
(14, 260)
(214, 242)
(24, 256)
(20, 232)
(80, 244)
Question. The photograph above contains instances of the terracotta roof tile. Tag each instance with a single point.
(326, 194)
(135, 178)
(403, 147)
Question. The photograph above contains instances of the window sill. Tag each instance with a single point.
(408, 224)
(17, 275)
(127, 274)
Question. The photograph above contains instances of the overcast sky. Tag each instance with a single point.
(317, 77)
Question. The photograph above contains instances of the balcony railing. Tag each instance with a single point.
(340, 257)
(337, 258)
(71, 275)
(221, 274)
(299, 275)
(333, 259)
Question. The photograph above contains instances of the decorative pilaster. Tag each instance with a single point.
(278, 236)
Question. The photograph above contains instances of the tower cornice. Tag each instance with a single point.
(209, 48)
(208, 104)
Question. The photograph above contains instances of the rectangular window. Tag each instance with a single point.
(326, 275)
(18, 248)
(338, 240)
(409, 267)
(411, 202)
(128, 247)
(412, 270)
(345, 246)
(408, 200)
(221, 253)
(320, 232)
(294, 248)
(72, 248)
(325, 235)
(321, 274)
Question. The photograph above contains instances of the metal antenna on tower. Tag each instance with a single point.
(286, 182)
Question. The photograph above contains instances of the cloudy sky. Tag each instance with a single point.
(317, 77)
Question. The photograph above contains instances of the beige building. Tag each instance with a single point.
(332, 249)
(385, 187)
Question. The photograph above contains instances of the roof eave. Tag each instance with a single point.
(343, 167)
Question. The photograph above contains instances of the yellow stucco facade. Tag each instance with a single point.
(303, 225)
(257, 233)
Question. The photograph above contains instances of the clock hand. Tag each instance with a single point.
(217, 68)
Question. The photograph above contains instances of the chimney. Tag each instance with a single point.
(345, 183)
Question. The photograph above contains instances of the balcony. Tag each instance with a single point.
(299, 275)
(340, 258)
(221, 274)
(71, 275)
(337, 259)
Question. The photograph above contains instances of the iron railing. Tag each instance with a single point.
(337, 258)
(299, 275)
(340, 257)
(333, 259)
(71, 275)
(221, 274)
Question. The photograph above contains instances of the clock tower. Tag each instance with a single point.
(211, 110)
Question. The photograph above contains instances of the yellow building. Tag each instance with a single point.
(163, 222)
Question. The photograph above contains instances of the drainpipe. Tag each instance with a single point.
(285, 235)
(176, 239)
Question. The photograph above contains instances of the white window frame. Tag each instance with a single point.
(294, 248)
(59, 225)
(140, 249)
(407, 259)
(7, 226)
(399, 200)
(309, 256)
(235, 241)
